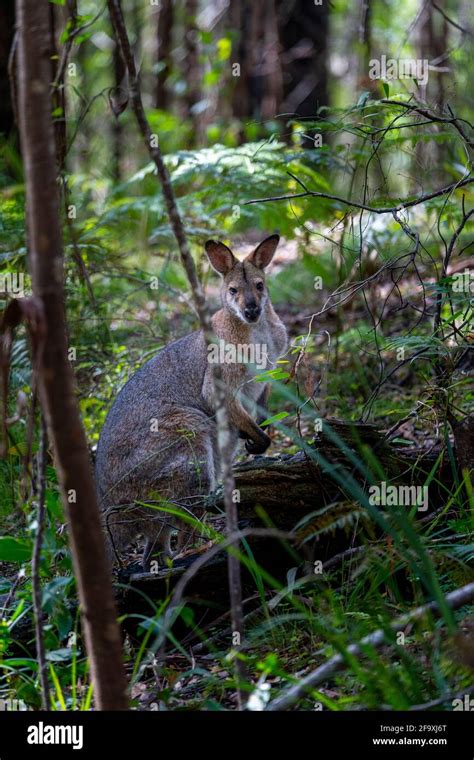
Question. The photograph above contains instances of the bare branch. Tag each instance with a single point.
(453, 600)
(433, 118)
(223, 432)
(446, 260)
(450, 20)
(56, 383)
(35, 571)
(407, 203)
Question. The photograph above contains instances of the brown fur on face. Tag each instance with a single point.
(243, 290)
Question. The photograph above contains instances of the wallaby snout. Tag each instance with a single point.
(252, 311)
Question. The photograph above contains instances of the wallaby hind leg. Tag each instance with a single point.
(191, 471)
(187, 471)
(158, 547)
(119, 533)
(169, 542)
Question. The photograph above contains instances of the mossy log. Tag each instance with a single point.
(282, 491)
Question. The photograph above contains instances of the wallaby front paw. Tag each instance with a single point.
(258, 447)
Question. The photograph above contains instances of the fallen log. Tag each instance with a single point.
(290, 485)
(281, 491)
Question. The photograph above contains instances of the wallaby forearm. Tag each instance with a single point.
(247, 427)
(262, 404)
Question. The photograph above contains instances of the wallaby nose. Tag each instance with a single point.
(252, 311)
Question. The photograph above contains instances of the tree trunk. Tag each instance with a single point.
(7, 31)
(364, 39)
(291, 489)
(464, 441)
(244, 19)
(193, 71)
(163, 57)
(58, 96)
(80, 152)
(304, 30)
(237, 20)
(272, 71)
(433, 42)
(119, 72)
(56, 380)
(290, 486)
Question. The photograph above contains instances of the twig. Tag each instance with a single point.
(434, 118)
(394, 428)
(448, 698)
(454, 600)
(223, 432)
(76, 254)
(348, 291)
(12, 77)
(408, 360)
(35, 571)
(444, 272)
(373, 209)
(73, 33)
(220, 634)
(450, 20)
(11, 594)
(353, 551)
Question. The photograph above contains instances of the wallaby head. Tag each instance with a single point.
(243, 291)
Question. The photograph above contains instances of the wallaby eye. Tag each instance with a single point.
(233, 291)
(259, 285)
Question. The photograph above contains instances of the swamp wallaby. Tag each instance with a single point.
(159, 441)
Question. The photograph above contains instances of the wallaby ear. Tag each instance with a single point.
(264, 252)
(221, 257)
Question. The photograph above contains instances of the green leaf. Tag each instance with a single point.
(54, 505)
(271, 374)
(386, 88)
(211, 78)
(188, 616)
(364, 96)
(275, 418)
(55, 591)
(15, 549)
(59, 655)
(224, 47)
(206, 37)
